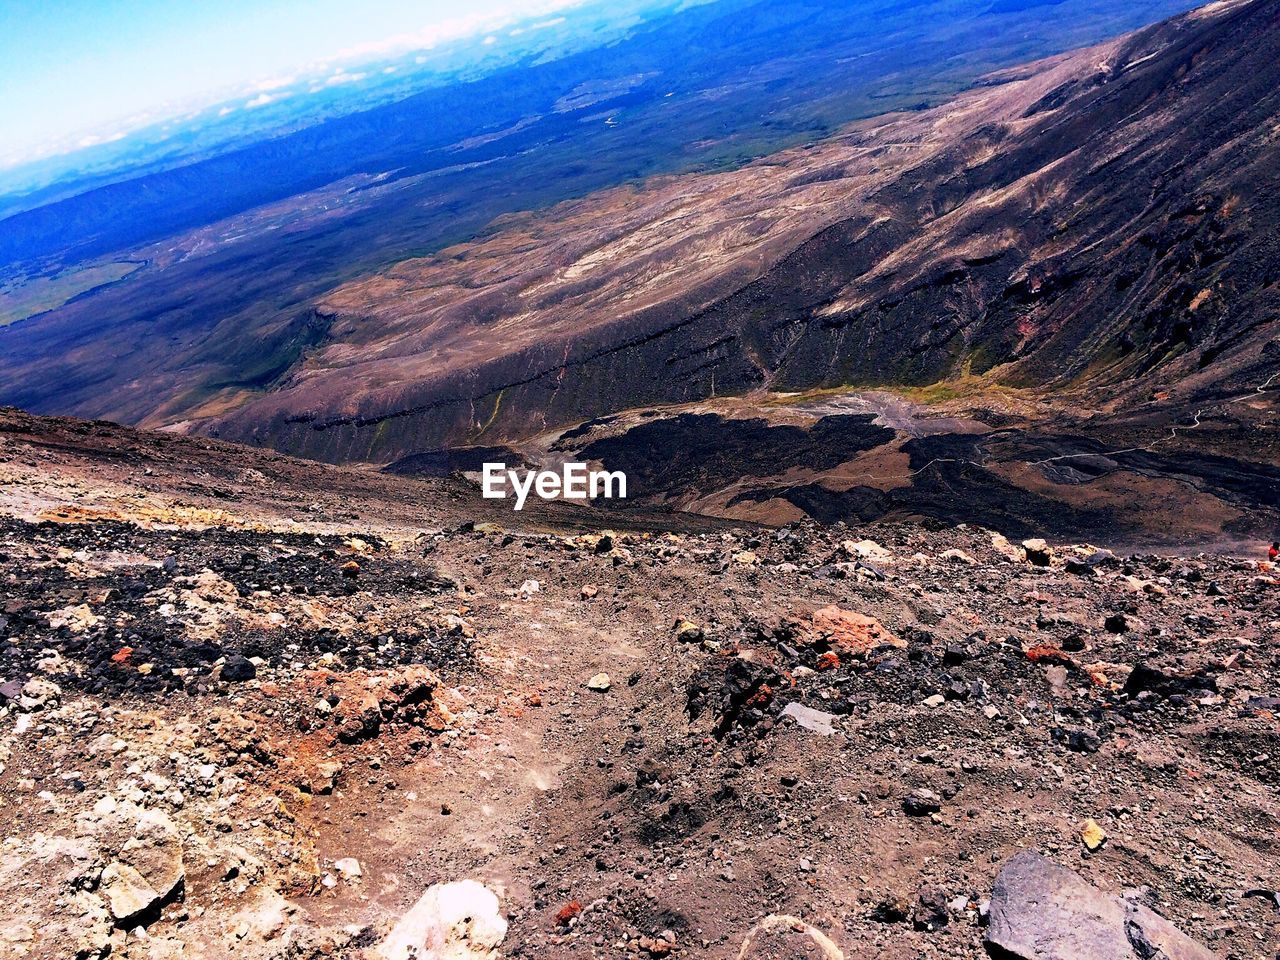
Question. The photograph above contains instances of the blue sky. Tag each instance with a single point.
(75, 71)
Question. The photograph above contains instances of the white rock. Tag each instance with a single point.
(452, 921)
(38, 692)
(128, 894)
(76, 619)
(1002, 546)
(816, 721)
(866, 550)
(349, 868)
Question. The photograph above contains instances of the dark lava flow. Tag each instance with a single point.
(953, 477)
(706, 451)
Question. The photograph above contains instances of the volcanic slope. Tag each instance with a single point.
(226, 256)
(256, 707)
(1100, 223)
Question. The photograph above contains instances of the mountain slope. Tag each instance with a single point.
(215, 315)
(1098, 222)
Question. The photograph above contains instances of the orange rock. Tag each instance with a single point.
(829, 660)
(1046, 653)
(848, 633)
(1092, 835)
(762, 697)
(656, 947)
(121, 655)
(568, 912)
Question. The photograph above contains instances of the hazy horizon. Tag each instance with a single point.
(79, 75)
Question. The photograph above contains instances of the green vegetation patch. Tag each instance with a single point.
(24, 297)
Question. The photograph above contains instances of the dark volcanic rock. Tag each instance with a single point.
(1116, 623)
(921, 803)
(931, 912)
(1145, 678)
(737, 694)
(238, 670)
(1077, 741)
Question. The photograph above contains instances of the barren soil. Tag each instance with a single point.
(278, 688)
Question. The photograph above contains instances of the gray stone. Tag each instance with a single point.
(1041, 910)
(128, 894)
(816, 721)
(921, 803)
(148, 872)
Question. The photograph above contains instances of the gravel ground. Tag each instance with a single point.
(237, 720)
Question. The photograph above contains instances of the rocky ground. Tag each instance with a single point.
(253, 707)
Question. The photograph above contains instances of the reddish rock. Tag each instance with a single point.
(568, 912)
(1046, 653)
(656, 947)
(846, 632)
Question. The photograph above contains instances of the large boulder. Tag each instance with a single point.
(1041, 910)
(847, 632)
(131, 898)
(147, 871)
(451, 921)
(1038, 552)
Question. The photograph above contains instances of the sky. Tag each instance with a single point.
(73, 72)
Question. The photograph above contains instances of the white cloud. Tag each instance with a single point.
(262, 99)
(529, 28)
(343, 77)
(271, 83)
(95, 139)
(463, 26)
(317, 75)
